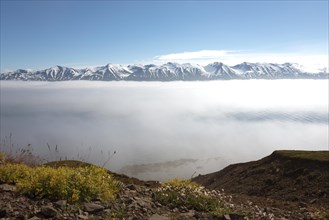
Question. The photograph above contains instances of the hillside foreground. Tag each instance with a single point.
(284, 185)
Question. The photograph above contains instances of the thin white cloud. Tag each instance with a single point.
(202, 54)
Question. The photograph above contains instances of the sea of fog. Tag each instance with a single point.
(162, 130)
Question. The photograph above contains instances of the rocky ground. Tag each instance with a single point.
(245, 195)
(137, 202)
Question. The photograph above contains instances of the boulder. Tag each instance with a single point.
(92, 207)
(48, 211)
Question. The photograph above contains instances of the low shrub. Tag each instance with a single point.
(12, 173)
(178, 193)
(72, 184)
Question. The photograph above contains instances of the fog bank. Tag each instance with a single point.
(161, 130)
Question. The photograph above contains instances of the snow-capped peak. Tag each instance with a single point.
(171, 71)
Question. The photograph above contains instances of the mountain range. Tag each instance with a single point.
(168, 72)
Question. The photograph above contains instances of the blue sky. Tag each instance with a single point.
(40, 34)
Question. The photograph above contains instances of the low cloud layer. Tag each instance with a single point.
(165, 130)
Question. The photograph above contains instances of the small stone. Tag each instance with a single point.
(7, 188)
(82, 217)
(175, 210)
(226, 217)
(48, 211)
(108, 211)
(34, 218)
(158, 217)
(92, 207)
(184, 209)
(313, 201)
(61, 204)
(303, 209)
(131, 187)
(158, 204)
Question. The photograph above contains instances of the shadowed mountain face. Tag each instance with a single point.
(168, 72)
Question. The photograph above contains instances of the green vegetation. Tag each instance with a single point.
(310, 155)
(73, 184)
(177, 193)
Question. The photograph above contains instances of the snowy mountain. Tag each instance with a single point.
(168, 72)
(267, 70)
(109, 72)
(221, 71)
(56, 73)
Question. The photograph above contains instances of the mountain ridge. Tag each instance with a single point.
(168, 72)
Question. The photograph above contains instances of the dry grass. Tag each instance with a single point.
(310, 155)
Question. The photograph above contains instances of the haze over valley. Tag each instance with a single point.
(162, 130)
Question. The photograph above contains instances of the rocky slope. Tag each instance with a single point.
(282, 176)
(168, 72)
